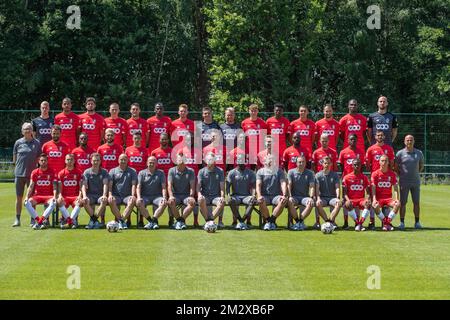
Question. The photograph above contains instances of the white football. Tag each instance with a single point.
(210, 227)
(327, 228)
(112, 226)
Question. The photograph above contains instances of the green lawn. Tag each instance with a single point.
(192, 264)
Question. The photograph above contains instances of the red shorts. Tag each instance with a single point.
(389, 202)
(41, 199)
(70, 201)
(358, 203)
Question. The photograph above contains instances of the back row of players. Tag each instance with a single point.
(224, 142)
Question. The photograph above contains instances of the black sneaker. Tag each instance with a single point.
(345, 226)
(371, 226)
(140, 224)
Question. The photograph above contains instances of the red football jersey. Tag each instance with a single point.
(321, 153)
(330, 128)
(355, 185)
(94, 125)
(137, 158)
(43, 182)
(156, 126)
(69, 126)
(163, 159)
(178, 129)
(374, 153)
(56, 153)
(255, 132)
(137, 125)
(356, 124)
(110, 155)
(120, 127)
(220, 155)
(346, 158)
(307, 130)
(70, 182)
(383, 183)
(290, 156)
(278, 129)
(82, 158)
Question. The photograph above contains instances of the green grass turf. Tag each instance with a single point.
(192, 264)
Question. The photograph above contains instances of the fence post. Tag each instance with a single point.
(425, 141)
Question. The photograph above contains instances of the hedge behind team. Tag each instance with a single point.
(280, 129)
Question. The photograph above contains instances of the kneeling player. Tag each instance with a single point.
(42, 190)
(356, 189)
(382, 181)
(69, 182)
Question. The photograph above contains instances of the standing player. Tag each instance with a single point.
(136, 124)
(82, 153)
(382, 120)
(208, 127)
(56, 150)
(255, 129)
(69, 123)
(163, 154)
(329, 126)
(42, 125)
(211, 189)
(26, 152)
(242, 180)
(375, 151)
(350, 153)
(271, 189)
(181, 126)
(42, 190)
(181, 189)
(356, 190)
(69, 180)
(230, 130)
(382, 182)
(122, 190)
(151, 189)
(277, 127)
(95, 191)
(93, 124)
(157, 125)
(301, 187)
(353, 123)
(408, 163)
(109, 151)
(291, 154)
(322, 152)
(118, 124)
(307, 130)
(137, 154)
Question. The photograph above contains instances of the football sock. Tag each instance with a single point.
(30, 209)
(64, 212)
(364, 216)
(391, 215)
(381, 216)
(75, 213)
(352, 214)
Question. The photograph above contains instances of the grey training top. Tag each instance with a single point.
(408, 164)
(151, 184)
(43, 129)
(327, 183)
(95, 181)
(26, 155)
(301, 181)
(181, 181)
(210, 181)
(241, 181)
(382, 122)
(271, 181)
(122, 181)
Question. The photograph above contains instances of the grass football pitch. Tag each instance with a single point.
(254, 264)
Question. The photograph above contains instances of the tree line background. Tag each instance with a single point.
(226, 53)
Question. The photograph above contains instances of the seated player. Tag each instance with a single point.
(70, 180)
(42, 190)
(242, 180)
(151, 189)
(356, 190)
(382, 182)
(181, 190)
(328, 191)
(122, 190)
(211, 189)
(95, 192)
(271, 190)
(301, 186)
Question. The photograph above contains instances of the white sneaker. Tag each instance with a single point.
(401, 226)
(417, 225)
(120, 225)
(358, 227)
(149, 226)
(155, 226)
(267, 226)
(16, 223)
(36, 226)
(295, 226)
(244, 226)
(273, 226)
(183, 226)
(238, 226)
